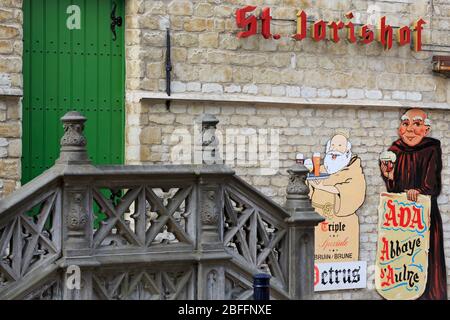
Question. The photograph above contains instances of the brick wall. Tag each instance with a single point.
(10, 92)
(209, 61)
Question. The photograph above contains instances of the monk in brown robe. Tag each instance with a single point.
(417, 170)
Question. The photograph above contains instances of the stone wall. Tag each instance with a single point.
(10, 93)
(208, 58)
(305, 130)
(325, 85)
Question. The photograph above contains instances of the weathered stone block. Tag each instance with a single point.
(15, 148)
(10, 168)
(196, 25)
(150, 135)
(10, 130)
(204, 10)
(209, 40)
(9, 32)
(180, 8)
(212, 88)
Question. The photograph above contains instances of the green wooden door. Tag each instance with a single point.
(72, 61)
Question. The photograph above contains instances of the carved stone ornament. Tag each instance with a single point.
(208, 212)
(77, 218)
(212, 285)
(297, 182)
(73, 143)
(73, 123)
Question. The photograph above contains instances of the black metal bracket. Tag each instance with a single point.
(115, 21)
(168, 67)
(441, 65)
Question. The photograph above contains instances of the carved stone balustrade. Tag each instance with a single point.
(80, 231)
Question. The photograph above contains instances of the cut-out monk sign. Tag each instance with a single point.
(337, 190)
(410, 252)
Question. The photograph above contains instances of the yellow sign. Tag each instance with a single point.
(337, 191)
(337, 239)
(403, 244)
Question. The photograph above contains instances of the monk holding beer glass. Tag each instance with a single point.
(337, 190)
(316, 164)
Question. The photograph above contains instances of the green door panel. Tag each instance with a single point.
(72, 66)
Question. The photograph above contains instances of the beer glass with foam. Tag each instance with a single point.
(388, 158)
(316, 163)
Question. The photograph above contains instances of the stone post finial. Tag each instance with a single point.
(73, 143)
(302, 222)
(297, 199)
(208, 139)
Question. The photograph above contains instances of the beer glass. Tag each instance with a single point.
(388, 158)
(316, 163)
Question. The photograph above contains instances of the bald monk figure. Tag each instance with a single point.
(418, 171)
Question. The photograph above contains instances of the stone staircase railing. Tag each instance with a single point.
(80, 231)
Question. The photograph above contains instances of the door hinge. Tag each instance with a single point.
(168, 67)
(115, 21)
